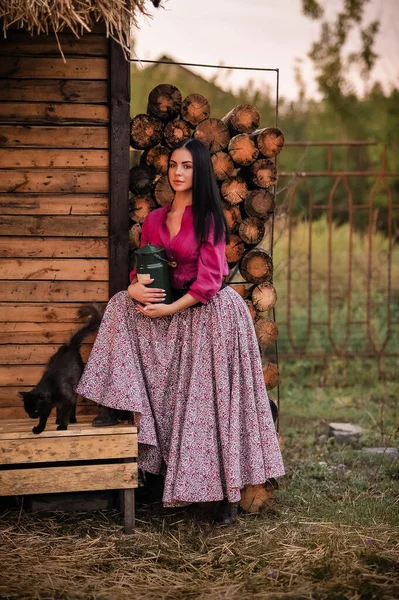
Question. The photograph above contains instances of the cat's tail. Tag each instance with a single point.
(95, 312)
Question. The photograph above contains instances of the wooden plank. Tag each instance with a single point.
(54, 159)
(53, 204)
(90, 447)
(46, 113)
(17, 43)
(64, 269)
(53, 180)
(36, 333)
(74, 91)
(20, 375)
(119, 75)
(40, 312)
(53, 247)
(21, 67)
(13, 429)
(34, 354)
(59, 291)
(71, 226)
(49, 480)
(53, 137)
(18, 412)
(10, 398)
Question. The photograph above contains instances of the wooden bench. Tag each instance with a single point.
(83, 458)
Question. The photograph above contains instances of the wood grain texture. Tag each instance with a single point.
(63, 269)
(55, 159)
(119, 169)
(16, 429)
(73, 91)
(59, 291)
(19, 42)
(40, 312)
(17, 412)
(90, 447)
(34, 354)
(22, 67)
(36, 333)
(15, 136)
(53, 204)
(10, 399)
(53, 180)
(50, 226)
(51, 247)
(46, 113)
(49, 480)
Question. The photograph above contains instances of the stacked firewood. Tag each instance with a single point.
(244, 162)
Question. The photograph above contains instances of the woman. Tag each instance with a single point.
(190, 370)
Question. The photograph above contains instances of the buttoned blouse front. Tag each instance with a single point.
(200, 267)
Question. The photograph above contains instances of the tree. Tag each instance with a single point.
(331, 63)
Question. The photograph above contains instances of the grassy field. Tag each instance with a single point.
(332, 534)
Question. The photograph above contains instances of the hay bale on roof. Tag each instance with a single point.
(43, 17)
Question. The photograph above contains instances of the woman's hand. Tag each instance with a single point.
(138, 291)
(155, 311)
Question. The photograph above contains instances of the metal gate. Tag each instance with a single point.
(334, 247)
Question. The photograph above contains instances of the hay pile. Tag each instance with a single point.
(178, 556)
(43, 16)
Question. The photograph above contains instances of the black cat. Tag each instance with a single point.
(61, 377)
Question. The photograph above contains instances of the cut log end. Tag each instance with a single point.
(256, 266)
(157, 158)
(270, 141)
(145, 132)
(266, 331)
(234, 190)
(140, 207)
(141, 179)
(214, 134)
(242, 290)
(233, 216)
(244, 118)
(195, 109)
(260, 204)
(163, 193)
(223, 165)
(165, 101)
(271, 375)
(243, 150)
(251, 231)
(263, 173)
(234, 249)
(175, 132)
(264, 297)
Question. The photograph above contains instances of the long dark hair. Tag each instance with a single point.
(207, 204)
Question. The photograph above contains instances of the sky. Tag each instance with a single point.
(257, 33)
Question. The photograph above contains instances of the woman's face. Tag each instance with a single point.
(181, 170)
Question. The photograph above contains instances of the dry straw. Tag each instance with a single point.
(178, 557)
(41, 17)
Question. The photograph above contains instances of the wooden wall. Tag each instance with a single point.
(54, 184)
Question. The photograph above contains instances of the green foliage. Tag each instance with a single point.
(331, 64)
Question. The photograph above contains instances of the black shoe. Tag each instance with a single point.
(106, 417)
(227, 514)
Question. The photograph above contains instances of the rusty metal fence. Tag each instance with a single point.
(336, 254)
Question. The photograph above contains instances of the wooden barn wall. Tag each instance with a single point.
(54, 184)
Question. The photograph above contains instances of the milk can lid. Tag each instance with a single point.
(149, 249)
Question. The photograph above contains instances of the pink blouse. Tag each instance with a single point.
(200, 267)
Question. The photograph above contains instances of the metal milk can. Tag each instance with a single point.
(152, 263)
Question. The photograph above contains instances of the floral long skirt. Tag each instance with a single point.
(196, 379)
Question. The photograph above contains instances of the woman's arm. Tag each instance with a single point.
(163, 310)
